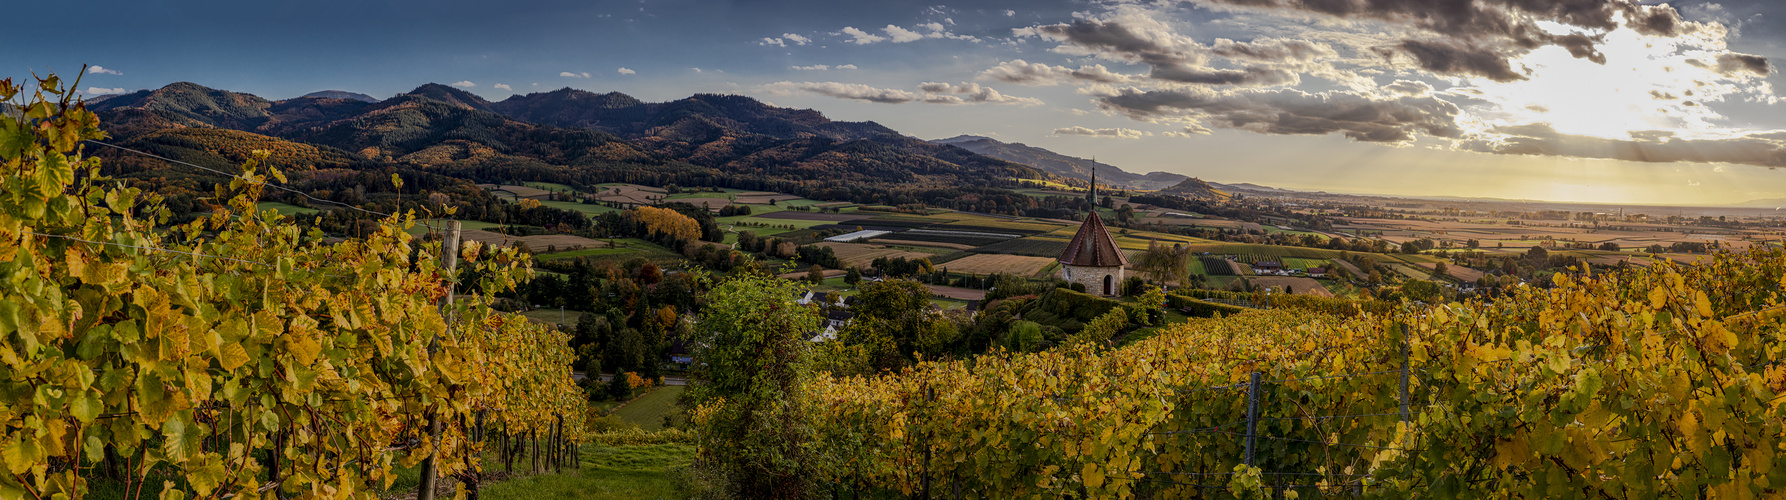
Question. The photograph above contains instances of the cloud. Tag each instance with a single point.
(1480, 37)
(568, 74)
(1023, 72)
(846, 66)
(1733, 64)
(1409, 87)
(102, 70)
(502, 86)
(929, 92)
(1767, 149)
(625, 71)
(853, 91)
(973, 92)
(1010, 13)
(1186, 133)
(1447, 57)
(862, 37)
(815, 67)
(697, 70)
(1174, 58)
(902, 35)
(784, 40)
(464, 84)
(1115, 133)
(1292, 112)
(96, 91)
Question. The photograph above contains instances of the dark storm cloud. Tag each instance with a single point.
(1289, 111)
(1762, 149)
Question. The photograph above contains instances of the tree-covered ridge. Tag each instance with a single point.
(439, 127)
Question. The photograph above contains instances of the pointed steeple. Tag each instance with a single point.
(1092, 195)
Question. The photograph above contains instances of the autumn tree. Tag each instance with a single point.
(666, 222)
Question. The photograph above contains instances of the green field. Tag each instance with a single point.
(549, 186)
(587, 209)
(607, 472)
(648, 411)
(284, 209)
(551, 316)
(1301, 263)
(584, 253)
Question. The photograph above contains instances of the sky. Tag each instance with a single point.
(1606, 101)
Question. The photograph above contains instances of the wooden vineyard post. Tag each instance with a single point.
(1252, 415)
(430, 465)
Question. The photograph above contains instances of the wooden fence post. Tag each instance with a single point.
(430, 465)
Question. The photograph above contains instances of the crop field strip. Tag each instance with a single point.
(986, 263)
(1032, 246)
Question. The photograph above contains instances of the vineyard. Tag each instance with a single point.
(1670, 375)
(235, 356)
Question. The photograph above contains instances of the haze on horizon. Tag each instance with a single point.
(1602, 101)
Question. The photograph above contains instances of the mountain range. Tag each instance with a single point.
(567, 135)
(1062, 165)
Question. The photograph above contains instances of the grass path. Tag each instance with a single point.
(648, 411)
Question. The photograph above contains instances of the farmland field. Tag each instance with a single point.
(1302, 263)
(586, 208)
(1218, 266)
(933, 244)
(995, 226)
(997, 263)
(1032, 246)
(958, 237)
(1265, 252)
(859, 254)
(284, 209)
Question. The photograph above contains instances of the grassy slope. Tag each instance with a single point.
(648, 411)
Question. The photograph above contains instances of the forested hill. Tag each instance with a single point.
(1062, 165)
(626, 116)
(565, 136)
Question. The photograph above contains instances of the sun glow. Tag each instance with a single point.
(1648, 83)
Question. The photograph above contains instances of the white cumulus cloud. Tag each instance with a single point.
(93, 91)
(862, 37)
(902, 35)
(815, 67)
(846, 66)
(625, 71)
(568, 74)
(464, 84)
(502, 86)
(797, 39)
(102, 70)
